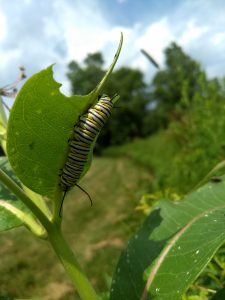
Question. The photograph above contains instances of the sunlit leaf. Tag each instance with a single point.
(173, 246)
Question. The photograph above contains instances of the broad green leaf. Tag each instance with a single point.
(13, 212)
(40, 124)
(172, 247)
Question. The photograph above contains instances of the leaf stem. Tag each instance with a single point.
(67, 258)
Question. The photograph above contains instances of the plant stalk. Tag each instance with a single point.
(57, 209)
(67, 258)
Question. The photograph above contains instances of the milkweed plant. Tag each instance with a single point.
(48, 140)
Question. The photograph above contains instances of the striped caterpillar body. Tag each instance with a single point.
(85, 132)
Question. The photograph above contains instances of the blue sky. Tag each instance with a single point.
(37, 33)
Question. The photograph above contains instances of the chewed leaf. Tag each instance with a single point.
(40, 124)
(173, 246)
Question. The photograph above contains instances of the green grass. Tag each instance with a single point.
(28, 266)
(174, 166)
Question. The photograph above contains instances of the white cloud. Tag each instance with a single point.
(2, 26)
(83, 30)
(192, 32)
(218, 38)
(37, 40)
(155, 38)
(39, 33)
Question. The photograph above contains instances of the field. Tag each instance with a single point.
(29, 267)
(116, 182)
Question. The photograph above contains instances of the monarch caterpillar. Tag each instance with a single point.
(85, 132)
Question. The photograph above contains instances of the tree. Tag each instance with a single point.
(128, 120)
(167, 85)
(83, 79)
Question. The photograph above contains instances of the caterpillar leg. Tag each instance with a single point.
(64, 195)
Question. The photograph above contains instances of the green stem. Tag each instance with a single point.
(12, 186)
(66, 256)
(57, 211)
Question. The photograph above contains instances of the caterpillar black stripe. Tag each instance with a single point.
(85, 132)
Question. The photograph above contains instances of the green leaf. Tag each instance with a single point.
(8, 220)
(172, 247)
(4, 192)
(8, 195)
(13, 212)
(40, 124)
(11, 217)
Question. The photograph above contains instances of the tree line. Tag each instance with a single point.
(144, 108)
